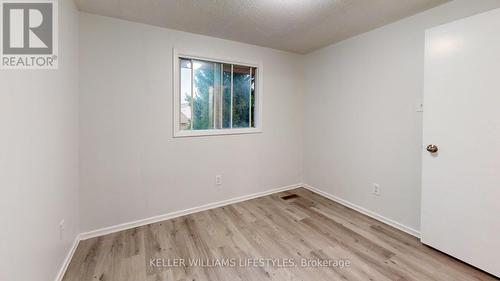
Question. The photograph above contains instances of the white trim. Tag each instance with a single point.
(177, 132)
(365, 211)
(67, 260)
(217, 132)
(141, 222)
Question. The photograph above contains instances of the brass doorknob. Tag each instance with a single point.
(432, 148)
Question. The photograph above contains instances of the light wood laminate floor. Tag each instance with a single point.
(305, 228)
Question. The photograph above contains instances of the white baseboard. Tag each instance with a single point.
(68, 258)
(364, 211)
(141, 222)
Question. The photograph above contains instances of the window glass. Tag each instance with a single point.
(241, 96)
(203, 91)
(216, 95)
(226, 111)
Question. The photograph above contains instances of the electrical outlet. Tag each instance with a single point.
(61, 230)
(376, 189)
(218, 180)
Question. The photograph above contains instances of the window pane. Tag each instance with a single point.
(203, 95)
(226, 99)
(185, 113)
(241, 96)
(252, 98)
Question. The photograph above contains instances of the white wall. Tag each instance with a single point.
(131, 166)
(361, 125)
(39, 161)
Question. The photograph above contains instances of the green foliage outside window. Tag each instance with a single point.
(207, 87)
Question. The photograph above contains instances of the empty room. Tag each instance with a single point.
(212, 140)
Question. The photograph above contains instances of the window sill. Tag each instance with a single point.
(218, 132)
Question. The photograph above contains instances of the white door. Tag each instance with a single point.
(461, 181)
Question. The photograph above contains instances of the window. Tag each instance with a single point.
(213, 97)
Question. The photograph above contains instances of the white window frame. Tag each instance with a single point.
(213, 132)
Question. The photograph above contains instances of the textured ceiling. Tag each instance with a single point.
(298, 26)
